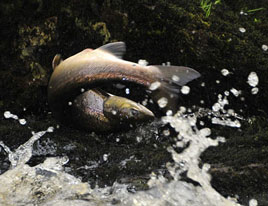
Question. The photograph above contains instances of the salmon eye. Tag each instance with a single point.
(134, 112)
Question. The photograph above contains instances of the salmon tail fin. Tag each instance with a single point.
(172, 79)
(178, 75)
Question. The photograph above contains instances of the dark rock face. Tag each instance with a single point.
(157, 31)
(33, 32)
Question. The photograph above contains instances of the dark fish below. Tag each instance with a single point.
(96, 110)
(90, 69)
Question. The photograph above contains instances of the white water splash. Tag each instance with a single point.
(47, 184)
(24, 152)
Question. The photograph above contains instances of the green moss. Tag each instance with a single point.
(101, 28)
(37, 71)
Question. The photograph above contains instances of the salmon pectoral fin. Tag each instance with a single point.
(117, 49)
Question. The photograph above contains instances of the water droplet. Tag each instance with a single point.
(202, 102)
(264, 47)
(242, 30)
(253, 79)
(166, 132)
(7, 114)
(114, 112)
(235, 92)
(225, 72)
(206, 167)
(182, 110)
(70, 103)
(216, 107)
(22, 121)
(162, 102)
(226, 93)
(175, 78)
(105, 157)
(50, 129)
(24, 108)
(127, 91)
(82, 90)
(203, 84)
(254, 90)
(117, 139)
(155, 85)
(144, 102)
(185, 90)
(253, 202)
(169, 113)
(143, 62)
(221, 139)
(217, 81)
(139, 139)
(230, 112)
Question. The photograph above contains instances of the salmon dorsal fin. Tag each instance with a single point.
(117, 49)
(56, 61)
